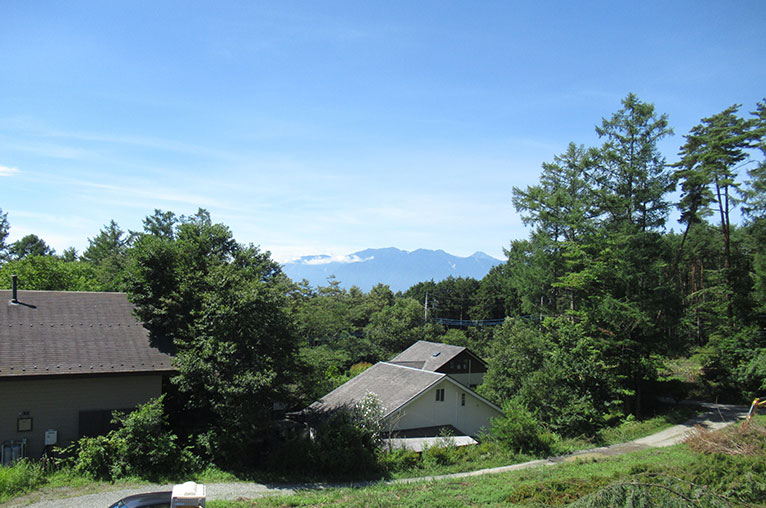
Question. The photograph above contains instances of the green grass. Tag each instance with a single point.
(26, 478)
(661, 476)
(632, 429)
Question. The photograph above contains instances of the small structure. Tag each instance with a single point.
(419, 400)
(67, 360)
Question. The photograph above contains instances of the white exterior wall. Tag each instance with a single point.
(56, 404)
(473, 379)
(426, 411)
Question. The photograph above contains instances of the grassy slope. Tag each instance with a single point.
(34, 484)
(719, 479)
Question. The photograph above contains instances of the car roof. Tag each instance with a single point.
(148, 498)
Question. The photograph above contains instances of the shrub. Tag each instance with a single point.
(443, 454)
(142, 446)
(398, 460)
(519, 431)
(347, 444)
(92, 457)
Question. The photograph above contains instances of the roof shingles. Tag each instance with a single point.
(59, 332)
(430, 356)
(394, 385)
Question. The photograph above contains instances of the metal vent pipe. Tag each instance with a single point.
(15, 285)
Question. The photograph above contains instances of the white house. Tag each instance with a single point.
(416, 401)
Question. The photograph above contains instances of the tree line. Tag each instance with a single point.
(597, 301)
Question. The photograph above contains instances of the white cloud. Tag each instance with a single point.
(325, 260)
(8, 171)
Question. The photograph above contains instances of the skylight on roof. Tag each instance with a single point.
(436, 354)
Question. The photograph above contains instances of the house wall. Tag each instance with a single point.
(426, 411)
(56, 404)
(471, 380)
(465, 369)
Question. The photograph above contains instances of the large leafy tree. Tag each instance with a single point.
(50, 273)
(222, 304)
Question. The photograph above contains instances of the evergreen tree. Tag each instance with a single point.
(4, 231)
(29, 245)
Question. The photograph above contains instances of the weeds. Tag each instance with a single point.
(20, 478)
(731, 441)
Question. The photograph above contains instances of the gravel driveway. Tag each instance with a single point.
(716, 416)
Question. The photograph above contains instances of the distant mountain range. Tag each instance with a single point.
(397, 268)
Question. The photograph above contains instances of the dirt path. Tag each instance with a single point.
(716, 416)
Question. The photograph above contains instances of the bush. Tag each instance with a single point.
(347, 444)
(520, 432)
(398, 460)
(142, 446)
(344, 447)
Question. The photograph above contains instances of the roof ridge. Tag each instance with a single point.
(411, 368)
(68, 292)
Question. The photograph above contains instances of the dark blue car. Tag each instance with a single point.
(148, 500)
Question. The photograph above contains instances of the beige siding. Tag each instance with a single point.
(56, 403)
(470, 380)
(426, 411)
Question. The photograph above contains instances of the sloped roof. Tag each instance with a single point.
(429, 356)
(394, 385)
(65, 333)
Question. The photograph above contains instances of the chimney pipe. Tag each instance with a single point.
(15, 284)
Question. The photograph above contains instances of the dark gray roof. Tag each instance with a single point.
(428, 355)
(64, 333)
(394, 385)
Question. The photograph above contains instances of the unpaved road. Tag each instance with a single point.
(716, 416)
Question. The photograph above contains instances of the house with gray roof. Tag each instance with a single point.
(456, 361)
(416, 400)
(67, 360)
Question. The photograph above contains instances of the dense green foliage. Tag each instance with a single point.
(142, 446)
(222, 304)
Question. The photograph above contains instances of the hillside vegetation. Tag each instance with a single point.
(725, 468)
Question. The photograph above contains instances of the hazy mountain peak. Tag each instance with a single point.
(395, 267)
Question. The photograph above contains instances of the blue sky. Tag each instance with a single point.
(330, 127)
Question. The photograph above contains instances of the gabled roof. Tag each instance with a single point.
(430, 356)
(394, 385)
(51, 333)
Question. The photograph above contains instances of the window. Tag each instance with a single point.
(440, 395)
(462, 399)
